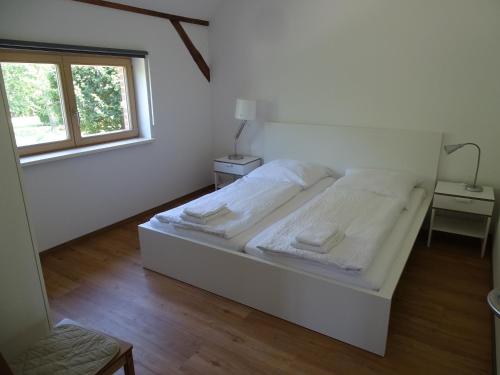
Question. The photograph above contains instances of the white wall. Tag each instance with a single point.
(72, 197)
(387, 63)
(23, 309)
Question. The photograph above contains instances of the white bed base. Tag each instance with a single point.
(350, 314)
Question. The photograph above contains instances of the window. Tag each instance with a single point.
(64, 101)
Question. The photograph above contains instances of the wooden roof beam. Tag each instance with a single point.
(195, 54)
(147, 12)
(174, 19)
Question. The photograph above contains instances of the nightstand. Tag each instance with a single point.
(456, 210)
(234, 168)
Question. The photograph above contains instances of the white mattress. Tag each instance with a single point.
(374, 276)
(238, 242)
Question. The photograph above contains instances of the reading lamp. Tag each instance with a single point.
(246, 110)
(452, 148)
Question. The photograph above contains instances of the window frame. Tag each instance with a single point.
(68, 98)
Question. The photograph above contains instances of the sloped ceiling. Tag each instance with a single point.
(203, 9)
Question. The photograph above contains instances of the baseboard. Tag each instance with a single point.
(143, 215)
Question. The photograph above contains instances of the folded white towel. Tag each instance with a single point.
(204, 210)
(318, 235)
(249, 200)
(204, 220)
(366, 219)
(322, 249)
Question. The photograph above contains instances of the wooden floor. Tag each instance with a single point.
(440, 323)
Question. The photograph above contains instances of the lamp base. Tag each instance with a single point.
(474, 188)
(235, 157)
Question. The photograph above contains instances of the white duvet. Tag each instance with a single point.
(249, 200)
(366, 219)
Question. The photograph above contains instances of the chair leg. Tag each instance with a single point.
(128, 368)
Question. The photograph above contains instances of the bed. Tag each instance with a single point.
(355, 310)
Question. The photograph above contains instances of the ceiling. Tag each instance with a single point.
(203, 9)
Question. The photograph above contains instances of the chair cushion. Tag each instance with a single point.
(69, 350)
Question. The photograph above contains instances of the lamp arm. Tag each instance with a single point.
(236, 137)
(240, 130)
(478, 159)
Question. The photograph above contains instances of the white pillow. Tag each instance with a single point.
(390, 183)
(298, 172)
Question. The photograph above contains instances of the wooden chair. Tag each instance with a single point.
(122, 359)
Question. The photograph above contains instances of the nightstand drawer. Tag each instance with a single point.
(236, 169)
(459, 204)
(228, 168)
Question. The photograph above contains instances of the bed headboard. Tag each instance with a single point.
(342, 147)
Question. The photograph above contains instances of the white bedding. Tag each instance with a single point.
(238, 242)
(373, 277)
(249, 200)
(364, 217)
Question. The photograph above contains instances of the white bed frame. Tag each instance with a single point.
(353, 315)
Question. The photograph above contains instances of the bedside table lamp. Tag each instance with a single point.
(452, 148)
(246, 110)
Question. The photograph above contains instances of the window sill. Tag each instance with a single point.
(81, 151)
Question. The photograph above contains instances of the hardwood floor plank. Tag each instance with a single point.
(440, 323)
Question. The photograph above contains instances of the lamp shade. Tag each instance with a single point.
(245, 109)
(452, 148)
